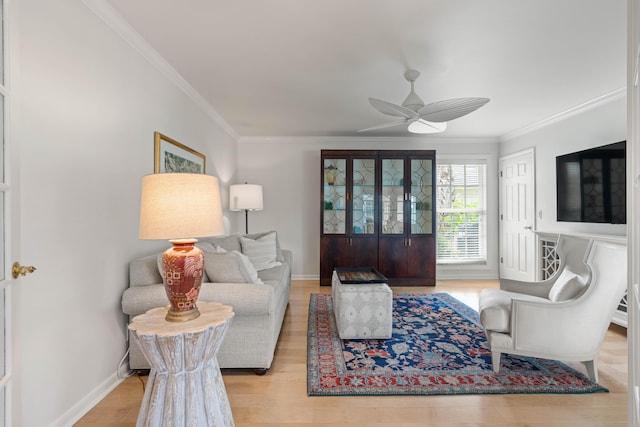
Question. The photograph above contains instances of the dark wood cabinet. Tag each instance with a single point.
(378, 210)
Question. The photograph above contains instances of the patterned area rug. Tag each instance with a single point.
(438, 347)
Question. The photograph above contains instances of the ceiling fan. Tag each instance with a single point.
(430, 118)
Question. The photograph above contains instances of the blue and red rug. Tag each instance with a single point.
(438, 347)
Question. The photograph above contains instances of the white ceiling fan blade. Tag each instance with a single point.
(450, 109)
(423, 126)
(392, 109)
(386, 125)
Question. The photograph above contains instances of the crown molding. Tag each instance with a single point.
(364, 139)
(563, 115)
(115, 21)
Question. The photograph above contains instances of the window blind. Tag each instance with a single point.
(461, 211)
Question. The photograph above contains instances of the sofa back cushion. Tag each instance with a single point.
(228, 243)
(262, 251)
(229, 267)
(144, 271)
(256, 236)
(232, 242)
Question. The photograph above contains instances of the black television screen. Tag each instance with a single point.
(591, 185)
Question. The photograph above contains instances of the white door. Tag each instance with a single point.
(10, 401)
(517, 216)
(633, 211)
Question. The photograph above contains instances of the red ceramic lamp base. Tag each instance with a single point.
(182, 267)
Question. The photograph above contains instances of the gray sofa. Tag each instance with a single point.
(259, 308)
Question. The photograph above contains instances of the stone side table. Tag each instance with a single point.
(185, 387)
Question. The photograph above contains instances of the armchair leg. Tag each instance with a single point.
(592, 369)
(495, 360)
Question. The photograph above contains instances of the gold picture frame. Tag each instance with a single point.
(170, 156)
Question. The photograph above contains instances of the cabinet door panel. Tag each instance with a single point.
(363, 196)
(363, 252)
(392, 256)
(334, 253)
(393, 195)
(421, 190)
(334, 190)
(421, 259)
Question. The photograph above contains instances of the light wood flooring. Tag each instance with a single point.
(280, 399)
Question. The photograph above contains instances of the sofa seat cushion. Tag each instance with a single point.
(247, 299)
(495, 308)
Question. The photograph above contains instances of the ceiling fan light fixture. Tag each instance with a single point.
(430, 118)
(423, 126)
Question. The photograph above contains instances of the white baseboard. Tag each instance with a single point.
(84, 405)
(305, 277)
(466, 275)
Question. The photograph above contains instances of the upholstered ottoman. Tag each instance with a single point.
(362, 311)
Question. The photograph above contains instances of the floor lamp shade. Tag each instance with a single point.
(245, 197)
(180, 207)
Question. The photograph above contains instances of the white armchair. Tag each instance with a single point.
(565, 317)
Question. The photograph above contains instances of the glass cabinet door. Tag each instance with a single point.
(363, 196)
(393, 196)
(335, 196)
(421, 196)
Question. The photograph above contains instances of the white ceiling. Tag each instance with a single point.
(308, 67)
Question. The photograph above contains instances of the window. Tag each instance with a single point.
(461, 211)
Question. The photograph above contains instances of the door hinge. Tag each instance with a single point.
(501, 260)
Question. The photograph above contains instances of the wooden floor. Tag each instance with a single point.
(280, 399)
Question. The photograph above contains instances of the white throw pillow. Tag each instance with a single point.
(566, 287)
(255, 236)
(230, 267)
(262, 251)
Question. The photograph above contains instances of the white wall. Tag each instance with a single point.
(603, 124)
(289, 170)
(84, 111)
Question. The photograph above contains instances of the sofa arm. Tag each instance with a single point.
(288, 255)
(138, 299)
(247, 299)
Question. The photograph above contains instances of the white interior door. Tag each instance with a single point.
(517, 216)
(6, 196)
(633, 211)
(10, 400)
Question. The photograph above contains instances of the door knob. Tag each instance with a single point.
(528, 227)
(20, 270)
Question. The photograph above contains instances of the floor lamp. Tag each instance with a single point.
(245, 197)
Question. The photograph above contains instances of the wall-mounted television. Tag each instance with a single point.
(591, 185)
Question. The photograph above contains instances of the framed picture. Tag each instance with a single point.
(173, 157)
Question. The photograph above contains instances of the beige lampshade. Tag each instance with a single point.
(245, 197)
(180, 206)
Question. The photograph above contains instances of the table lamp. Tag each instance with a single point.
(246, 197)
(180, 207)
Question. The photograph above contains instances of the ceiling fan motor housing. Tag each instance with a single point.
(412, 101)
